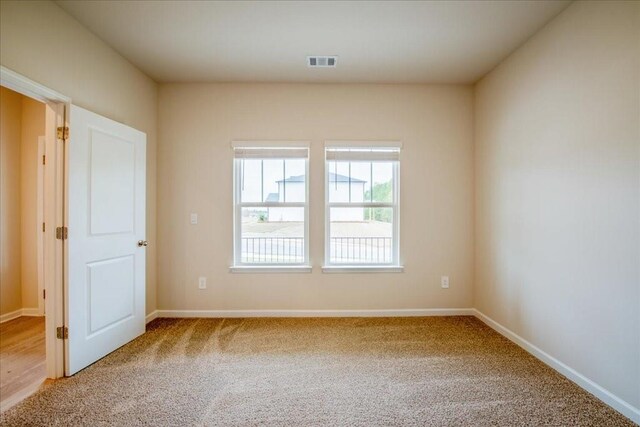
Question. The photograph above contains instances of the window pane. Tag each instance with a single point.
(273, 176)
(382, 177)
(264, 180)
(361, 236)
(351, 182)
(293, 188)
(250, 180)
(338, 181)
(272, 235)
(360, 179)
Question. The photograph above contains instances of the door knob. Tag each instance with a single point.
(142, 243)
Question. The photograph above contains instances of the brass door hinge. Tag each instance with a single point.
(63, 133)
(62, 233)
(44, 160)
(44, 294)
(62, 332)
(44, 228)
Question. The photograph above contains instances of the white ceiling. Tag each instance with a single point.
(268, 41)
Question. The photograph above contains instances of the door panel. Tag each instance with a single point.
(112, 184)
(111, 292)
(106, 276)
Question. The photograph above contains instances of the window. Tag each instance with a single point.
(362, 195)
(271, 206)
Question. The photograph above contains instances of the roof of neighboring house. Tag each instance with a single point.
(333, 177)
(273, 197)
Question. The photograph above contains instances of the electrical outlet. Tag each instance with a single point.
(444, 282)
(202, 283)
(194, 218)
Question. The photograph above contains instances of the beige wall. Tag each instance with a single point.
(42, 42)
(33, 122)
(557, 168)
(10, 243)
(198, 123)
(557, 134)
(22, 122)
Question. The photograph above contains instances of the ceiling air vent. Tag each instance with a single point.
(322, 61)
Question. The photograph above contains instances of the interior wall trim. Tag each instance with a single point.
(585, 383)
(403, 312)
(18, 313)
(151, 316)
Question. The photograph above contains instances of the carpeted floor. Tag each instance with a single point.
(434, 371)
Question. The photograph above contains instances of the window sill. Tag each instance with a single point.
(363, 269)
(270, 269)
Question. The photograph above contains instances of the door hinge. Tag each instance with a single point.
(62, 233)
(63, 133)
(62, 332)
(44, 294)
(44, 160)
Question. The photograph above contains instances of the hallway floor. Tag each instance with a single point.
(22, 359)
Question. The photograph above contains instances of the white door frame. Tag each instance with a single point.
(40, 221)
(54, 211)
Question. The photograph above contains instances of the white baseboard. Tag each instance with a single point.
(318, 313)
(590, 386)
(10, 316)
(151, 316)
(31, 312)
(18, 313)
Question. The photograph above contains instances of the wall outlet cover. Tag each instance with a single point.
(444, 282)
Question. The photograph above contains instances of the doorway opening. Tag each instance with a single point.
(93, 230)
(22, 347)
(31, 258)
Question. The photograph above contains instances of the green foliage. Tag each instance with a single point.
(378, 214)
(381, 193)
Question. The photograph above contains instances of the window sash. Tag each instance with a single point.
(394, 205)
(238, 205)
(359, 250)
(272, 205)
(361, 205)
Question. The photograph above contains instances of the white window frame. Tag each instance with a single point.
(245, 267)
(395, 265)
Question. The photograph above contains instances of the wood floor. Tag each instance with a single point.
(22, 359)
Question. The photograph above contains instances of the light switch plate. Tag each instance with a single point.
(202, 283)
(193, 218)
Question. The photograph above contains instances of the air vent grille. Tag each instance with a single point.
(322, 61)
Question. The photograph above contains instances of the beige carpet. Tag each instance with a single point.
(436, 371)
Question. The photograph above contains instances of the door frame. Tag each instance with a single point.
(40, 203)
(55, 215)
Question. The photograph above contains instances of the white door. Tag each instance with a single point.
(106, 231)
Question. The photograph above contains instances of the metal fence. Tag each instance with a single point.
(272, 250)
(361, 250)
(343, 250)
